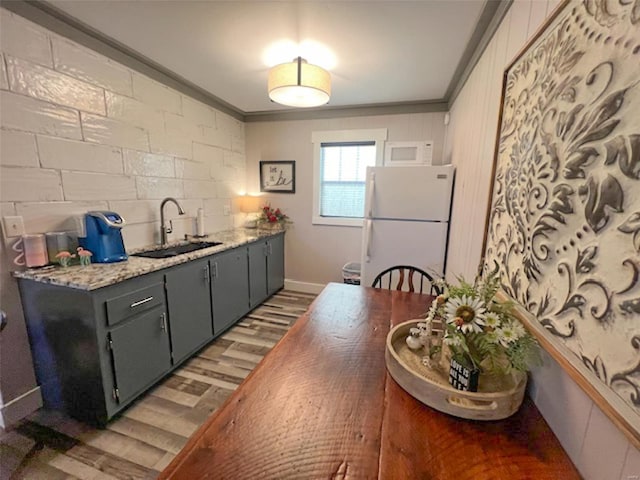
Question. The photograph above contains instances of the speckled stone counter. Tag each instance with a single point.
(98, 275)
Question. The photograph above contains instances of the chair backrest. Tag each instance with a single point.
(405, 274)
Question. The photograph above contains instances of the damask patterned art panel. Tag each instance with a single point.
(564, 224)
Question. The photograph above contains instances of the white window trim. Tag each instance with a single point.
(377, 135)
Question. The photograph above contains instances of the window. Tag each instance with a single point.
(341, 159)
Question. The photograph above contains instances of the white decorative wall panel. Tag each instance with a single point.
(565, 217)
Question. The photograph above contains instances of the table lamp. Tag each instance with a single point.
(250, 205)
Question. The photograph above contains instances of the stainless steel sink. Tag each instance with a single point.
(175, 250)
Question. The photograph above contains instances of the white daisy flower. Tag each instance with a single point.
(492, 337)
(492, 320)
(518, 329)
(466, 312)
(506, 335)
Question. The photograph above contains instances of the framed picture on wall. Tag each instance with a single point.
(564, 225)
(278, 176)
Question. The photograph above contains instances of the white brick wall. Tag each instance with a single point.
(29, 184)
(149, 164)
(18, 148)
(155, 94)
(197, 112)
(95, 186)
(41, 82)
(66, 154)
(79, 132)
(4, 83)
(31, 115)
(89, 66)
(133, 112)
(22, 39)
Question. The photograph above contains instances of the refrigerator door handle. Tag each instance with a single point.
(372, 186)
(367, 236)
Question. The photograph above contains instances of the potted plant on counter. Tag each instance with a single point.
(272, 218)
(479, 334)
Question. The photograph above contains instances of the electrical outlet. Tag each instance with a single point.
(226, 209)
(13, 226)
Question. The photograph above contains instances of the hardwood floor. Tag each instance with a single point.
(144, 439)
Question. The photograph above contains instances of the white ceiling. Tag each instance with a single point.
(379, 52)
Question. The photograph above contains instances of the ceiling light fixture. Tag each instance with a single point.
(299, 84)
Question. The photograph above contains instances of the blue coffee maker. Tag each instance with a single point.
(103, 236)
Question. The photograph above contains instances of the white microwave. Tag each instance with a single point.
(404, 154)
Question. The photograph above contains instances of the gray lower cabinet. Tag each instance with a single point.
(140, 353)
(229, 287)
(258, 273)
(95, 351)
(189, 305)
(266, 268)
(275, 264)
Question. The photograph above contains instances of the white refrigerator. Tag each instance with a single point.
(406, 219)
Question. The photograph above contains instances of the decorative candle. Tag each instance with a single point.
(35, 250)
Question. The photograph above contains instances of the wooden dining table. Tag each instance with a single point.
(321, 405)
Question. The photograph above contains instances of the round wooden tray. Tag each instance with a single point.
(497, 397)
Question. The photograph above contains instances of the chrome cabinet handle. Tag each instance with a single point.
(163, 322)
(135, 304)
(206, 273)
(215, 269)
(270, 246)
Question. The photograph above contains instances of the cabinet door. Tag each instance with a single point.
(189, 305)
(258, 273)
(275, 264)
(229, 288)
(140, 349)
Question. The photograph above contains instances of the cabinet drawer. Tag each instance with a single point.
(132, 303)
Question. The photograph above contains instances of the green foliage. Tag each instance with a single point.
(464, 289)
(524, 353)
(490, 287)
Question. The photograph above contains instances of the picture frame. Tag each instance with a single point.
(278, 176)
(563, 225)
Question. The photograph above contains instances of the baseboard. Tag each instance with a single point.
(20, 407)
(304, 287)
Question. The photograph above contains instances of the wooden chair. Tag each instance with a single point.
(423, 277)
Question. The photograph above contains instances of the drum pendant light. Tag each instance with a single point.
(299, 84)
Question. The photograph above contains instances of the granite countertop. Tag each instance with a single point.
(98, 275)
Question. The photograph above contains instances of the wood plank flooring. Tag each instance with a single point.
(142, 441)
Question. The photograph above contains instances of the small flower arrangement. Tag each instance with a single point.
(480, 332)
(272, 215)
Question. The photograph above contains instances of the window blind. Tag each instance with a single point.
(342, 177)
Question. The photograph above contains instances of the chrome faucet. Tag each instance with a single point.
(166, 230)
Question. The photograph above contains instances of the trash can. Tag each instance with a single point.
(351, 273)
